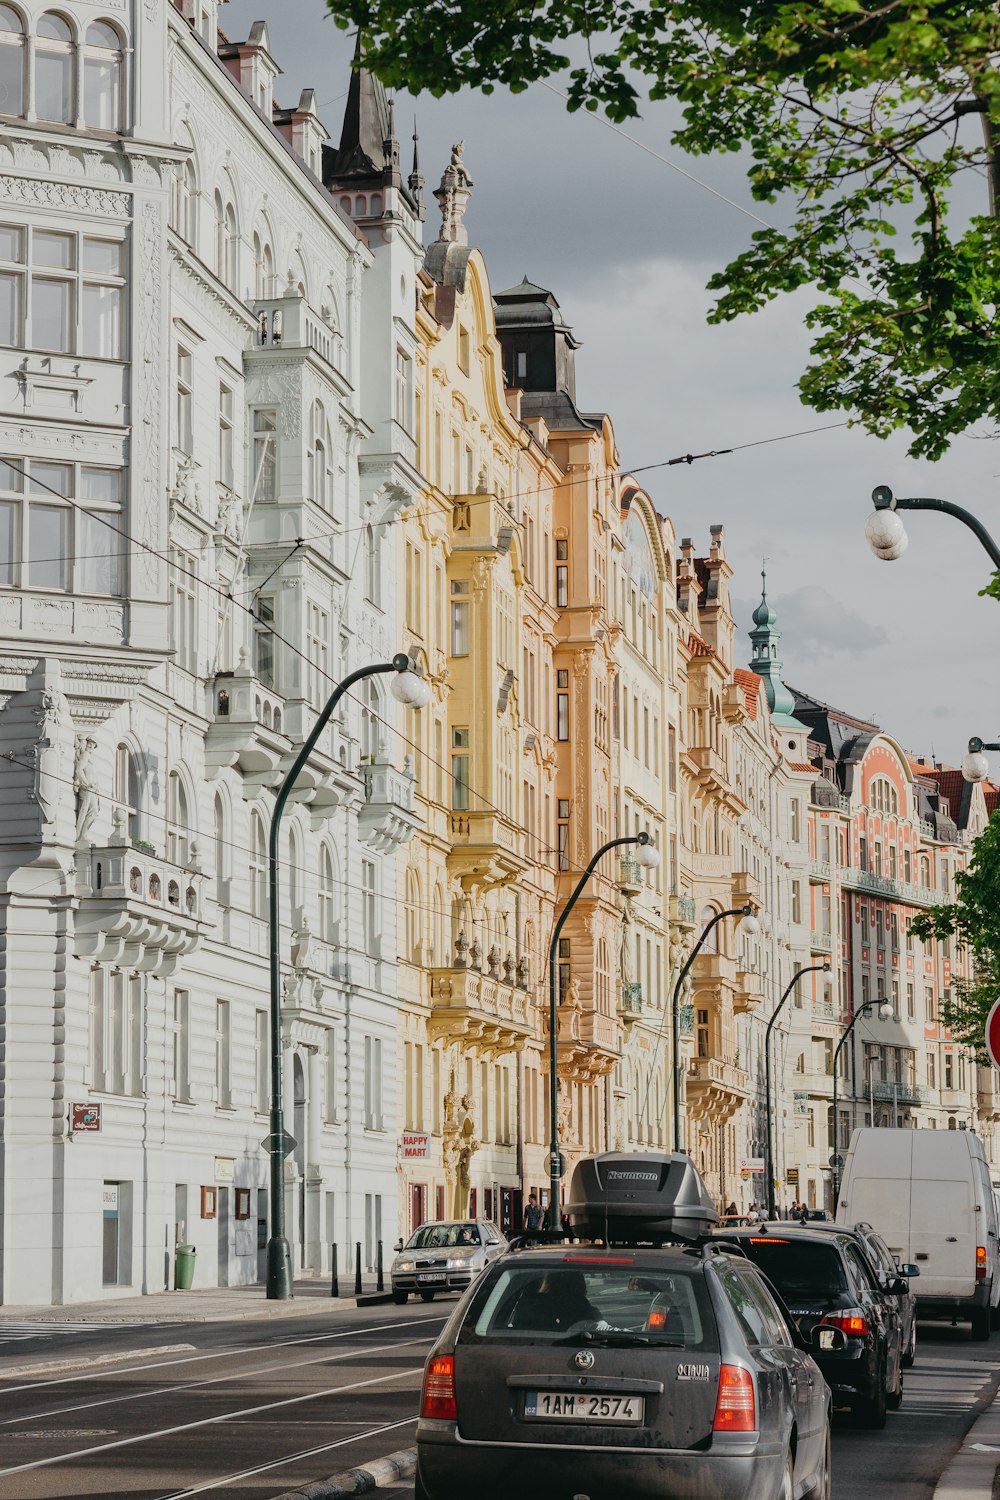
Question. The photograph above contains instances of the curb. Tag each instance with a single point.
(374, 1299)
(383, 1471)
(971, 1474)
(176, 1319)
(55, 1366)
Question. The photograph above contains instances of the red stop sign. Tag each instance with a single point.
(993, 1035)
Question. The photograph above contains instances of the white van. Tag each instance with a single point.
(929, 1195)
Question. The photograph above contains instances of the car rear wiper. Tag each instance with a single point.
(621, 1338)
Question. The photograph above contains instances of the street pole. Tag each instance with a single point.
(279, 1257)
(891, 547)
(864, 1009)
(812, 969)
(720, 916)
(648, 857)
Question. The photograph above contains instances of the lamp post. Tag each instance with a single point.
(864, 1009)
(887, 535)
(414, 691)
(975, 766)
(648, 856)
(750, 926)
(812, 969)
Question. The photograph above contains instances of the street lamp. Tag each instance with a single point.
(887, 535)
(414, 691)
(886, 1012)
(812, 969)
(751, 927)
(647, 855)
(975, 766)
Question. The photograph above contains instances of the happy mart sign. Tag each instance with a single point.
(414, 1145)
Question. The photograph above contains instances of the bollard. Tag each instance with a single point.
(357, 1268)
(334, 1278)
(379, 1271)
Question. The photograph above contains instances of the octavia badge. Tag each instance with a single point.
(583, 1359)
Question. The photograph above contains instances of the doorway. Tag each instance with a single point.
(223, 1226)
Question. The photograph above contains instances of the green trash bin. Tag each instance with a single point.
(184, 1257)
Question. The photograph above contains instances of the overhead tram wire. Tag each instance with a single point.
(321, 672)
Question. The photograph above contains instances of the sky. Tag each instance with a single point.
(627, 243)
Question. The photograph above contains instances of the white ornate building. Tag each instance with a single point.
(206, 343)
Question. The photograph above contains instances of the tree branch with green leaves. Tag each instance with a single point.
(856, 122)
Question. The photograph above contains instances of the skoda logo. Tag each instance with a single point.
(583, 1359)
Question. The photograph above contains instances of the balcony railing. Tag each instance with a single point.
(821, 942)
(387, 819)
(630, 874)
(885, 885)
(683, 911)
(819, 869)
(631, 1002)
(136, 908)
(900, 1093)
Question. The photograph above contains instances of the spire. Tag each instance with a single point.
(766, 662)
(415, 181)
(367, 126)
(390, 147)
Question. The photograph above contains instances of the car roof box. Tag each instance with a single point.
(640, 1196)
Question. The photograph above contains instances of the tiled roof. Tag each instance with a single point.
(951, 784)
(750, 683)
(698, 647)
(802, 765)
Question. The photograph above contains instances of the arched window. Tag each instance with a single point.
(320, 457)
(603, 977)
(373, 582)
(220, 842)
(438, 955)
(414, 916)
(230, 272)
(263, 259)
(370, 705)
(54, 70)
(294, 871)
(711, 943)
(127, 788)
(11, 62)
(327, 897)
(102, 77)
(178, 823)
(258, 866)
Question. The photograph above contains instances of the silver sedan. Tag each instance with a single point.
(444, 1257)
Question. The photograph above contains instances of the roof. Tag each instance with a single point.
(558, 411)
(366, 128)
(750, 684)
(699, 647)
(801, 765)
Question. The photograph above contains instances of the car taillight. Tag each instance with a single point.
(439, 1389)
(735, 1408)
(980, 1262)
(853, 1323)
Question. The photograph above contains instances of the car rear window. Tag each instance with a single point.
(543, 1304)
(798, 1268)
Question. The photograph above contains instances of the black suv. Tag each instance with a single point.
(824, 1277)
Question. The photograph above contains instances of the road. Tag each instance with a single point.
(242, 1411)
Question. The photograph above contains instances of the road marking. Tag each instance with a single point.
(279, 1463)
(162, 1432)
(228, 1351)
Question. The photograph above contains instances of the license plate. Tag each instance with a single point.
(571, 1406)
(432, 1276)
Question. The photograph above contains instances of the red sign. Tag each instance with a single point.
(993, 1035)
(414, 1144)
(85, 1117)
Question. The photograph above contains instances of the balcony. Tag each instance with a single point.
(683, 913)
(486, 849)
(820, 942)
(899, 1093)
(715, 1089)
(287, 323)
(137, 910)
(819, 871)
(386, 818)
(469, 1006)
(824, 1010)
(884, 885)
(630, 1003)
(713, 770)
(746, 889)
(246, 728)
(749, 992)
(630, 875)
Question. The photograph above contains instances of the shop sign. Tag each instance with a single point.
(414, 1145)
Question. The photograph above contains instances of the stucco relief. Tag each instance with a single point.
(280, 384)
(37, 192)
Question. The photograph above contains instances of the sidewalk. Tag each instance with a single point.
(213, 1305)
(972, 1473)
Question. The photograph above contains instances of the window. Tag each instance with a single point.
(184, 617)
(403, 389)
(54, 70)
(225, 436)
(102, 77)
(373, 1083)
(459, 624)
(60, 527)
(264, 641)
(796, 901)
(223, 1054)
(373, 569)
(320, 458)
(369, 918)
(61, 292)
(370, 714)
(11, 62)
(460, 770)
(226, 243)
(184, 402)
(796, 820)
(263, 259)
(183, 196)
(116, 1039)
(562, 704)
(930, 1009)
(265, 456)
(127, 788)
(178, 827)
(317, 654)
(931, 1071)
(262, 1062)
(911, 1009)
(221, 851)
(258, 867)
(562, 832)
(327, 897)
(463, 350)
(562, 574)
(180, 1081)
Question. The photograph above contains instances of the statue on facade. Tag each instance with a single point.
(493, 961)
(48, 752)
(570, 1011)
(475, 954)
(453, 197)
(85, 785)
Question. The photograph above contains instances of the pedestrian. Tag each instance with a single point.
(533, 1214)
(803, 1214)
(732, 1212)
(753, 1214)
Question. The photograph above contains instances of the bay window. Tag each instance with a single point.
(60, 527)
